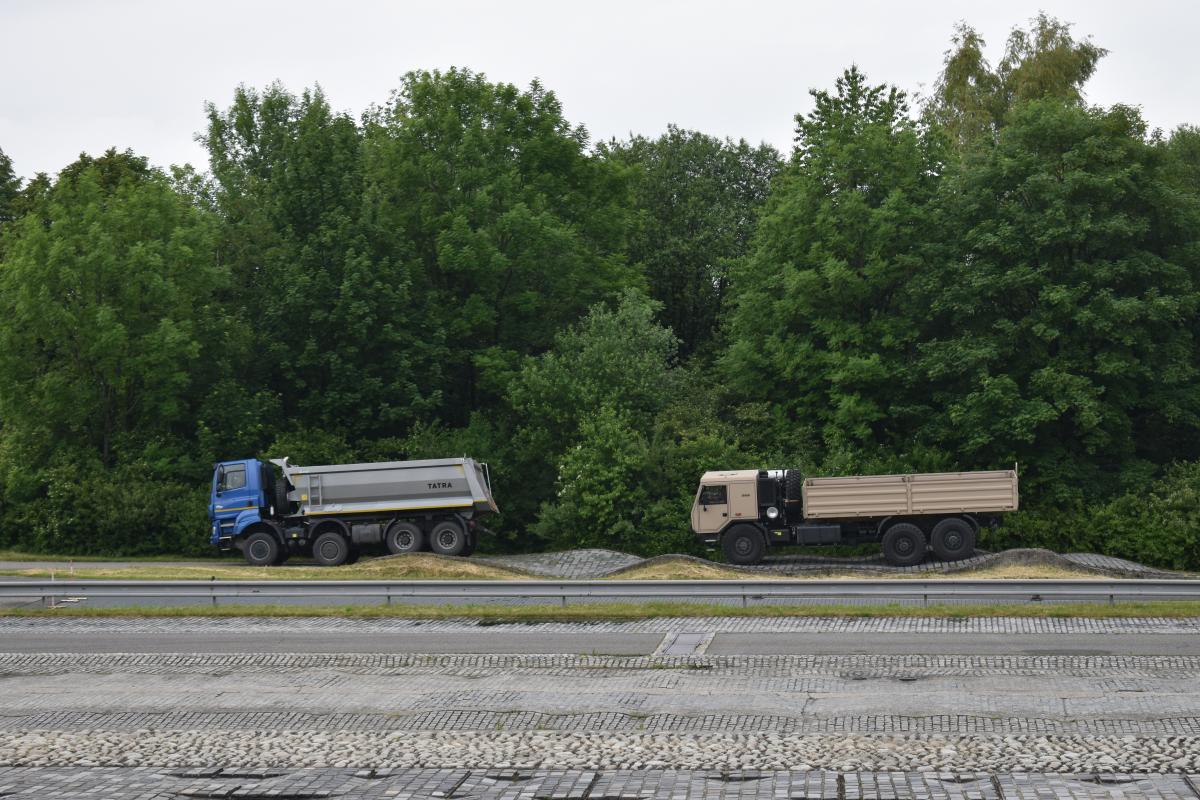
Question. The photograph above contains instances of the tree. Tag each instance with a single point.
(10, 189)
(340, 341)
(824, 322)
(621, 433)
(698, 199)
(1063, 324)
(971, 98)
(107, 313)
(514, 230)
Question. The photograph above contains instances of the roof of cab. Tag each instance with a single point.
(726, 476)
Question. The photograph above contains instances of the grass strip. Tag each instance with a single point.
(618, 612)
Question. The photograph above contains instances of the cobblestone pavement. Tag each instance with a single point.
(599, 563)
(514, 784)
(832, 625)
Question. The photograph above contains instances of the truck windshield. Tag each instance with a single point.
(232, 478)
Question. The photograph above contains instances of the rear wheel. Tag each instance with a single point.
(953, 539)
(904, 545)
(743, 545)
(404, 537)
(331, 549)
(261, 549)
(448, 538)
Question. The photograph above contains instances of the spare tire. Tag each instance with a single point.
(793, 492)
(280, 501)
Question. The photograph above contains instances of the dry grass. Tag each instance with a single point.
(414, 567)
(427, 566)
(686, 569)
(609, 612)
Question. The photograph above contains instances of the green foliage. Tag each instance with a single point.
(10, 189)
(1063, 321)
(824, 316)
(698, 199)
(971, 99)
(513, 229)
(106, 297)
(130, 509)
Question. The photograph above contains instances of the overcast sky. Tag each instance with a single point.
(84, 76)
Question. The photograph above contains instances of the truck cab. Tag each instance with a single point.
(238, 499)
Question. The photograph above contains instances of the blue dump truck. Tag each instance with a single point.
(270, 511)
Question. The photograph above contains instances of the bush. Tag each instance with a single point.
(125, 511)
(1158, 525)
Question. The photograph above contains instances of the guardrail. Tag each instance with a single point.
(745, 593)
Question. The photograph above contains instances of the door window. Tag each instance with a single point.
(232, 478)
(714, 495)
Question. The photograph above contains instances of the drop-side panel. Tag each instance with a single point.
(856, 496)
(923, 493)
(971, 492)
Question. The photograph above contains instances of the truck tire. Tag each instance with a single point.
(953, 539)
(448, 538)
(331, 549)
(280, 501)
(743, 545)
(472, 543)
(404, 537)
(904, 545)
(793, 486)
(261, 549)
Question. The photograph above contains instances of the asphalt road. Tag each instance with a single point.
(48, 640)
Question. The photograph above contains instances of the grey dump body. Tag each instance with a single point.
(445, 484)
(747, 511)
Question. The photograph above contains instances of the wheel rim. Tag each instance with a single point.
(742, 545)
(403, 540)
(447, 539)
(953, 540)
(330, 551)
(905, 545)
(260, 550)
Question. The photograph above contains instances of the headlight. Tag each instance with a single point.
(772, 512)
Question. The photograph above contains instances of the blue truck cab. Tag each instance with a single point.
(238, 499)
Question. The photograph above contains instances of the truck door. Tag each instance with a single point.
(711, 509)
(234, 493)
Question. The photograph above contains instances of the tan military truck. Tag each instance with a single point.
(747, 511)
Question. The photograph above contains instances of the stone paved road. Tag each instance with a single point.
(603, 726)
(514, 784)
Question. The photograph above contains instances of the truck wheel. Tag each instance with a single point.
(953, 539)
(404, 537)
(261, 549)
(743, 545)
(331, 549)
(904, 545)
(448, 538)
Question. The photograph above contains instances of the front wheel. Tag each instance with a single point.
(743, 545)
(448, 538)
(904, 545)
(261, 549)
